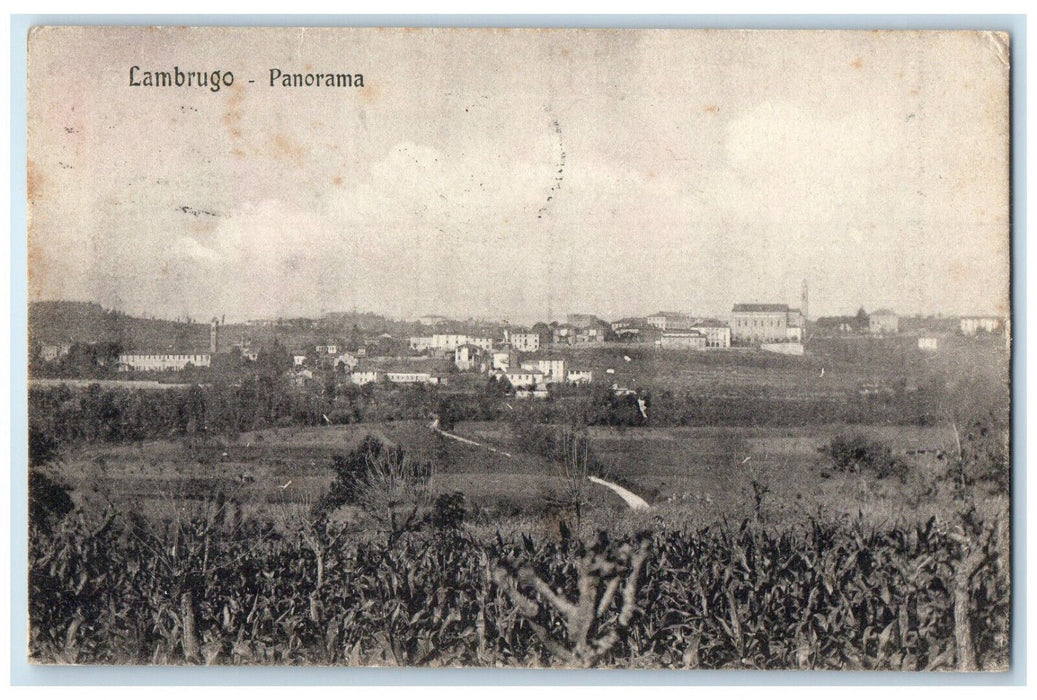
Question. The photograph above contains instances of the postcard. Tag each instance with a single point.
(512, 348)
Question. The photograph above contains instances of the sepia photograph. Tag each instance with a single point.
(519, 348)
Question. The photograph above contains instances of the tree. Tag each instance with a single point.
(573, 464)
(394, 491)
(389, 486)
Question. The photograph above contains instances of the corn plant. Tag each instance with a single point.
(827, 595)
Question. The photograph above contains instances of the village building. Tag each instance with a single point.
(404, 377)
(302, 377)
(718, 333)
(450, 341)
(162, 362)
(563, 334)
(468, 357)
(524, 378)
(591, 334)
(928, 343)
(553, 369)
(524, 342)
(49, 353)
(420, 343)
(503, 360)
(765, 323)
(689, 340)
(883, 322)
(531, 393)
(971, 325)
(361, 377)
(671, 321)
(579, 376)
(348, 360)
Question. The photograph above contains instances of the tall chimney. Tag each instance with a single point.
(214, 335)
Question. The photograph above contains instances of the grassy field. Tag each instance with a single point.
(691, 476)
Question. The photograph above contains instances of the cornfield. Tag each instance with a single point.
(828, 595)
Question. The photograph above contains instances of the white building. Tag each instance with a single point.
(420, 343)
(49, 353)
(690, 340)
(467, 357)
(347, 359)
(298, 360)
(361, 377)
(971, 325)
(451, 341)
(448, 341)
(524, 378)
(553, 369)
(411, 378)
(718, 335)
(525, 342)
(166, 362)
(501, 360)
(327, 349)
(671, 321)
(485, 344)
(579, 376)
(928, 344)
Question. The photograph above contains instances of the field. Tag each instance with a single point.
(694, 476)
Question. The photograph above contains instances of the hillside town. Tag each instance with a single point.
(527, 360)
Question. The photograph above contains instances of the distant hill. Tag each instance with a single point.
(58, 322)
(55, 322)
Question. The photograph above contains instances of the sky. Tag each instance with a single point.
(520, 174)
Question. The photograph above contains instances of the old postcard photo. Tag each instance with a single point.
(511, 348)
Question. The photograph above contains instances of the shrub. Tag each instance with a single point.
(448, 511)
(48, 500)
(351, 470)
(858, 453)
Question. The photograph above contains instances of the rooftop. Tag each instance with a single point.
(762, 307)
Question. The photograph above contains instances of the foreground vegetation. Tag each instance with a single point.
(825, 595)
(408, 580)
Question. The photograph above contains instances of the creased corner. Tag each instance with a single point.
(999, 43)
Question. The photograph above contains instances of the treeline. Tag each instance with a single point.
(65, 415)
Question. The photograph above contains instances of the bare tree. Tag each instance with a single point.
(573, 464)
(592, 628)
